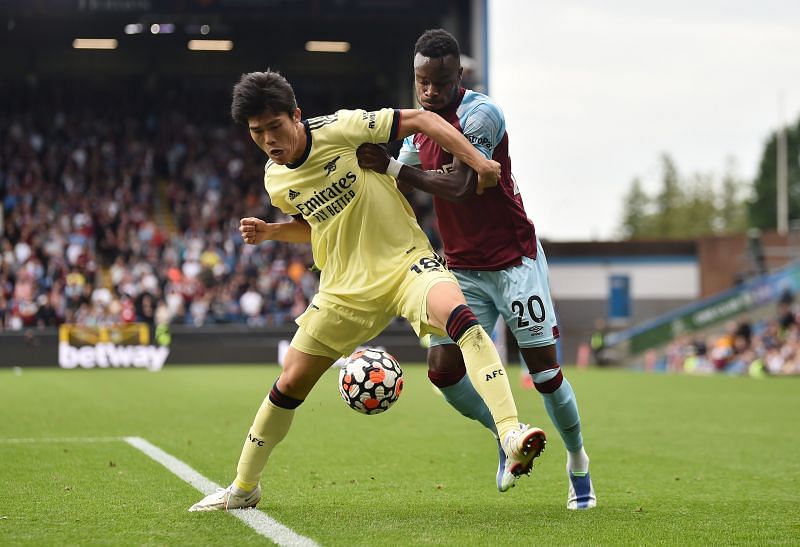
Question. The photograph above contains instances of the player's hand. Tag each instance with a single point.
(253, 230)
(488, 176)
(373, 156)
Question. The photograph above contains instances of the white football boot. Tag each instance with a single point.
(581, 492)
(225, 499)
(501, 466)
(521, 447)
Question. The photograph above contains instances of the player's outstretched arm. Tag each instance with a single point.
(449, 138)
(456, 185)
(255, 231)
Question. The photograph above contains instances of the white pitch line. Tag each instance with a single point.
(258, 521)
(49, 440)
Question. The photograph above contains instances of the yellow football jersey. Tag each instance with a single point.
(362, 228)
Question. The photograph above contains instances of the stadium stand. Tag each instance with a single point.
(754, 347)
(122, 207)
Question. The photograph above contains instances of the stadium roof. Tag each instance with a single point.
(153, 35)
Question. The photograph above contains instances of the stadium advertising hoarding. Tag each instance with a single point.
(753, 294)
(116, 346)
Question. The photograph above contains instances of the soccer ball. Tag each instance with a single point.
(370, 381)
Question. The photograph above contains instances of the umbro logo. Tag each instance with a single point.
(293, 194)
(330, 167)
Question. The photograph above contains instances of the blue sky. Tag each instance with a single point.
(594, 92)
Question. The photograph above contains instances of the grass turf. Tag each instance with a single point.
(675, 460)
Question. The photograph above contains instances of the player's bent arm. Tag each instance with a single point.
(403, 187)
(449, 138)
(255, 231)
(456, 185)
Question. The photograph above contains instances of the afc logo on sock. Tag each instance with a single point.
(254, 439)
(494, 374)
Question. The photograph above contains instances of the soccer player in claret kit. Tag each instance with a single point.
(375, 260)
(490, 245)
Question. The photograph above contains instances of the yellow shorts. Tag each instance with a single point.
(342, 324)
(303, 342)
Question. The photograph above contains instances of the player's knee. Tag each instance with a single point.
(445, 365)
(445, 358)
(540, 359)
(294, 384)
(442, 299)
(281, 396)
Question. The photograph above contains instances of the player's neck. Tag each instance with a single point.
(300, 142)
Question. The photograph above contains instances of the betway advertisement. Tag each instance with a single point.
(117, 346)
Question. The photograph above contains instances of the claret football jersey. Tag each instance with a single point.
(362, 228)
(486, 232)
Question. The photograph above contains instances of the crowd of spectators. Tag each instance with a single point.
(122, 206)
(745, 347)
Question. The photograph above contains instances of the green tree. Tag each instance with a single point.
(684, 208)
(763, 207)
(636, 211)
(669, 200)
(733, 217)
(697, 214)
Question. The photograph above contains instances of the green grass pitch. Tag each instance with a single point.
(675, 460)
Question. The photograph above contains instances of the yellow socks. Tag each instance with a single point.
(484, 368)
(269, 428)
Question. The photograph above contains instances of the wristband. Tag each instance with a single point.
(393, 169)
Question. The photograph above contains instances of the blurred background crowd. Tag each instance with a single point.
(755, 347)
(123, 206)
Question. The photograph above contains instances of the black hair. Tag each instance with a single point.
(437, 43)
(257, 92)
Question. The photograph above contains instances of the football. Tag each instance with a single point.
(371, 381)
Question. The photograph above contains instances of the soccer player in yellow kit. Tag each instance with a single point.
(376, 263)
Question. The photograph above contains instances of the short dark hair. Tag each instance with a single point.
(437, 43)
(257, 92)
